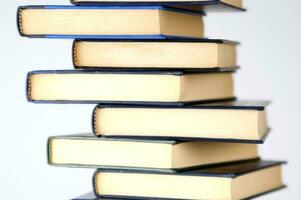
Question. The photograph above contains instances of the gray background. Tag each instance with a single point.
(270, 60)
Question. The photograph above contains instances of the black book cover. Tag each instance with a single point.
(226, 105)
(188, 40)
(187, 139)
(205, 6)
(231, 170)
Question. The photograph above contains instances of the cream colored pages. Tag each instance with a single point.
(177, 23)
(197, 153)
(257, 182)
(104, 87)
(237, 3)
(148, 21)
(89, 21)
(110, 153)
(163, 186)
(221, 87)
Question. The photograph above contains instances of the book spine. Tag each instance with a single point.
(49, 150)
(19, 20)
(94, 120)
(94, 182)
(28, 87)
(74, 54)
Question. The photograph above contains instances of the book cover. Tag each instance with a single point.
(206, 6)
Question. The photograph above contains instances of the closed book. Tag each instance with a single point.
(192, 55)
(92, 196)
(128, 87)
(143, 154)
(233, 181)
(236, 121)
(199, 5)
(109, 22)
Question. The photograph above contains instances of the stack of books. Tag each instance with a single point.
(167, 123)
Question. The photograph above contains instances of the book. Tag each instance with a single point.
(92, 196)
(234, 121)
(127, 87)
(197, 55)
(109, 22)
(200, 5)
(143, 154)
(233, 181)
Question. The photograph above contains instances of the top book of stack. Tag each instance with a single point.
(109, 22)
(201, 5)
(120, 20)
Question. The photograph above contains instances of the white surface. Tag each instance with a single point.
(269, 56)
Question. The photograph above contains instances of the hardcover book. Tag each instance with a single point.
(128, 87)
(232, 181)
(200, 5)
(237, 121)
(92, 196)
(109, 22)
(192, 55)
(142, 154)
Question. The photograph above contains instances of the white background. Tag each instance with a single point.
(270, 60)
